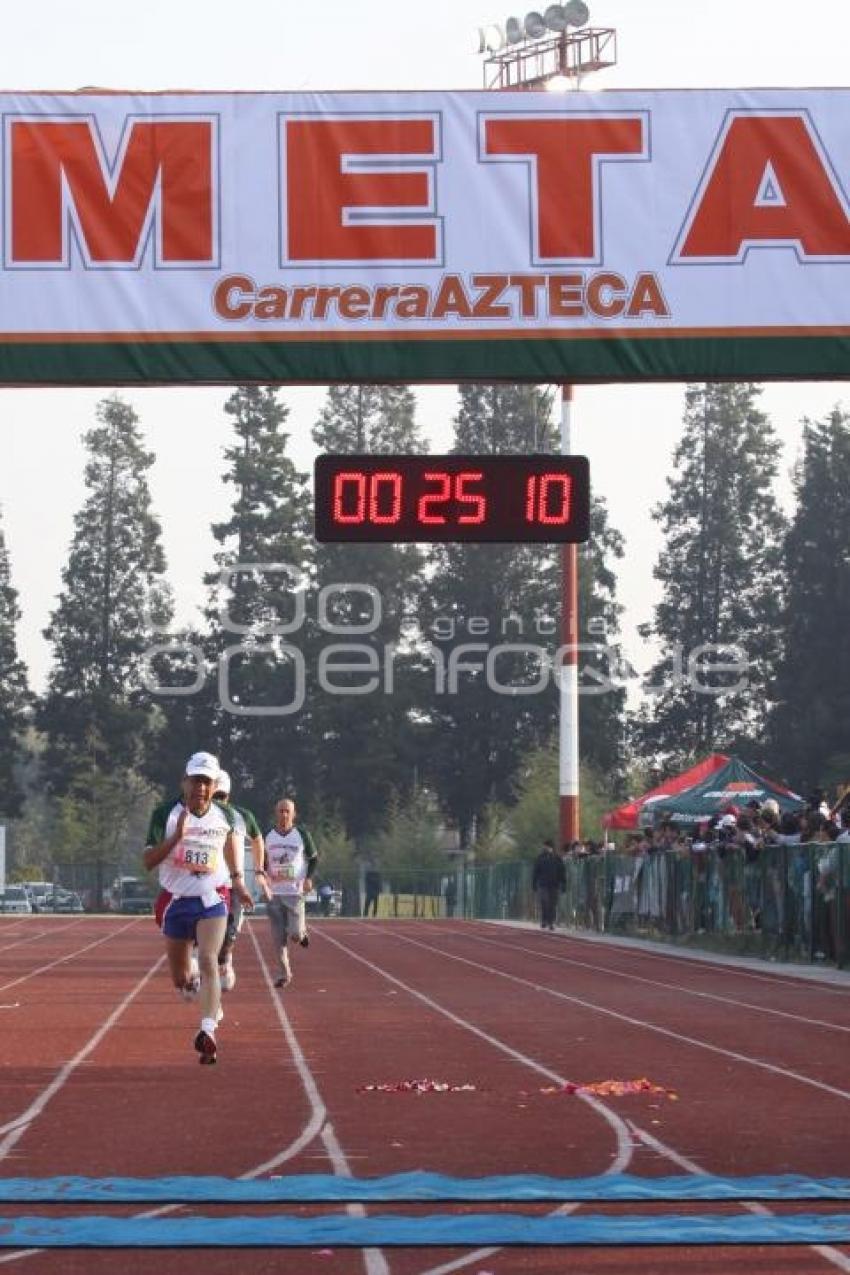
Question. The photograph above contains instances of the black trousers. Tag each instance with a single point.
(548, 895)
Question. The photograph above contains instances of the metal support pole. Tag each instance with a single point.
(568, 768)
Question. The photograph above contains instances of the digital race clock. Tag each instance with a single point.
(452, 498)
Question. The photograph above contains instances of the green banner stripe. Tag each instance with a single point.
(537, 361)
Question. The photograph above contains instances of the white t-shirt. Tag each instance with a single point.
(287, 861)
(195, 867)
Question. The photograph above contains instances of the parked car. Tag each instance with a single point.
(131, 895)
(323, 902)
(61, 901)
(36, 890)
(15, 899)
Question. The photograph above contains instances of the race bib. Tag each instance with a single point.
(283, 870)
(196, 857)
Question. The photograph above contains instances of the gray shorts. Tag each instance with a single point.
(286, 913)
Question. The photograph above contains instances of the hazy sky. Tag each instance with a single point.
(627, 431)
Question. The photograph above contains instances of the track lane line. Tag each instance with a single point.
(373, 1259)
(624, 1144)
(619, 1127)
(642, 1024)
(651, 982)
(40, 934)
(15, 1129)
(832, 1255)
(70, 956)
(312, 1129)
(798, 980)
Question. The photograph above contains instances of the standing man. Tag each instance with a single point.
(372, 887)
(245, 827)
(192, 844)
(549, 878)
(290, 862)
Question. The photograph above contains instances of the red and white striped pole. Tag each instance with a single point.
(568, 761)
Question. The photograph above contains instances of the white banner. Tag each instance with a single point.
(424, 236)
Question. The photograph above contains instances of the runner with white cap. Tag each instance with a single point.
(245, 826)
(191, 842)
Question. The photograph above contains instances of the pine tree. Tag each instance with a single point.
(602, 701)
(248, 671)
(14, 693)
(368, 752)
(720, 571)
(96, 713)
(479, 736)
(808, 736)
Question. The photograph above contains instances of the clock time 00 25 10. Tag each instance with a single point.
(452, 499)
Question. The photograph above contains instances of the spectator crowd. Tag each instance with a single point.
(750, 868)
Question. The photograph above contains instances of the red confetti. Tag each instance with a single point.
(613, 1088)
(416, 1086)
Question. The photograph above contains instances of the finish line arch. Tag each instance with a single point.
(210, 238)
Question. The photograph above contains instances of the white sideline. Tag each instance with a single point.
(828, 975)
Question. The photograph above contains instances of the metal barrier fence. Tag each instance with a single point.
(788, 902)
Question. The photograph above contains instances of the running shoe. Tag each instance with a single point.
(305, 941)
(206, 1047)
(283, 981)
(227, 974)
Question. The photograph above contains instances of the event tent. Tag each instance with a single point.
(713, 786)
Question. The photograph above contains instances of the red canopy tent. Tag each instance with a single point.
(628, 816)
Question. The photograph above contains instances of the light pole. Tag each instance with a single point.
(553, 50)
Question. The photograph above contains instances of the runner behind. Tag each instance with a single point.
(245, 827)
(290, 862)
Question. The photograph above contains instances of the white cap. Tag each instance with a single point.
(203, 764)
(223, 784)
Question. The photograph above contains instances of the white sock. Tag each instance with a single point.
(208, 1025)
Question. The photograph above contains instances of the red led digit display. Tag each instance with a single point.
(400, 499)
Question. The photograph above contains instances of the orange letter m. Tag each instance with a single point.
(60, 177)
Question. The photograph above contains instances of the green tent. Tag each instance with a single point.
(731, 788)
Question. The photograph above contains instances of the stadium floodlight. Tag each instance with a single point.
(534, 25)
(555, 17)
(491, 38)
(576, 13)
(514, 31)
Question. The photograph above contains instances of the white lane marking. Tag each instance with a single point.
(373, 1259)
(40, 934)
(15, 1129)
(307, 1135)
(799, 981)
(63, 960)
(619, 1126)
(624, 1144)
(833, 1255)
(652, 982)
(643, 1024)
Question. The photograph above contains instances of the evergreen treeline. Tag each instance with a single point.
(747, 638)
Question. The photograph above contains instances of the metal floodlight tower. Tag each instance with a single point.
(530, 52)
(552, 50)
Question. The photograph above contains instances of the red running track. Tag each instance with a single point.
(98, 1077)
